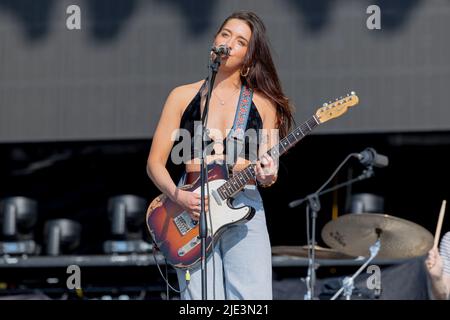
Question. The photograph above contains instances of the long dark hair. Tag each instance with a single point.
(262, 75)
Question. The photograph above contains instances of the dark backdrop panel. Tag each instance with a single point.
(110, 79)
(74, 180)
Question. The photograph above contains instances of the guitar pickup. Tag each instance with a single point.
(216, 197)
(184, 223)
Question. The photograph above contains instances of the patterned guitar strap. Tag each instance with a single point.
(236, 138)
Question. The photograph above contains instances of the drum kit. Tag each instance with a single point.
(368, 235)
(351, 235)
(360, 234)
(302, 251)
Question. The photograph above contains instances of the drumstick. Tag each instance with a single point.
(439, 225)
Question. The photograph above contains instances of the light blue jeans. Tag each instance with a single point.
(241, 267)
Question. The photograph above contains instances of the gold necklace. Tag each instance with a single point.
(221, 101)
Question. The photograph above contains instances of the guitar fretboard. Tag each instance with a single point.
(240, 179)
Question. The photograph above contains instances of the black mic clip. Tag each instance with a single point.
(367, 173)
(222, 50)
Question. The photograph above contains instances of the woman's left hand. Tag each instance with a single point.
(266, 170)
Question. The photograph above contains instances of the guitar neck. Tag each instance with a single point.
(240, 179)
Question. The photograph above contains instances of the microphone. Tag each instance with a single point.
(369, 157)
(222, 50)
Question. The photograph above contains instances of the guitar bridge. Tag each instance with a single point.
(188, 246)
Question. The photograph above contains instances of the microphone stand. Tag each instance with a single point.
(203, 227)
(348, 282)
(312, 209)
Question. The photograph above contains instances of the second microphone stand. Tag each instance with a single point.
(312, 208)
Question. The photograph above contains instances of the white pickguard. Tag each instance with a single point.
(221, 213)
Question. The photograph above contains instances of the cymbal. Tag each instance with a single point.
(353, 234)
(302, 251)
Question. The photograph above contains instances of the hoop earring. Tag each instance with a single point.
(246, 73)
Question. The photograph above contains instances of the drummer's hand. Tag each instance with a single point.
(434, 263)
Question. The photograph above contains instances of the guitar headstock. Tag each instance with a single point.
(337, 108)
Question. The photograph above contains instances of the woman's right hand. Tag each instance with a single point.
(190, 201)
(434, 263)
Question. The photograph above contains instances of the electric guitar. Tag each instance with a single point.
(173, 230)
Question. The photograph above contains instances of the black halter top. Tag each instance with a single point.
(192, 117)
